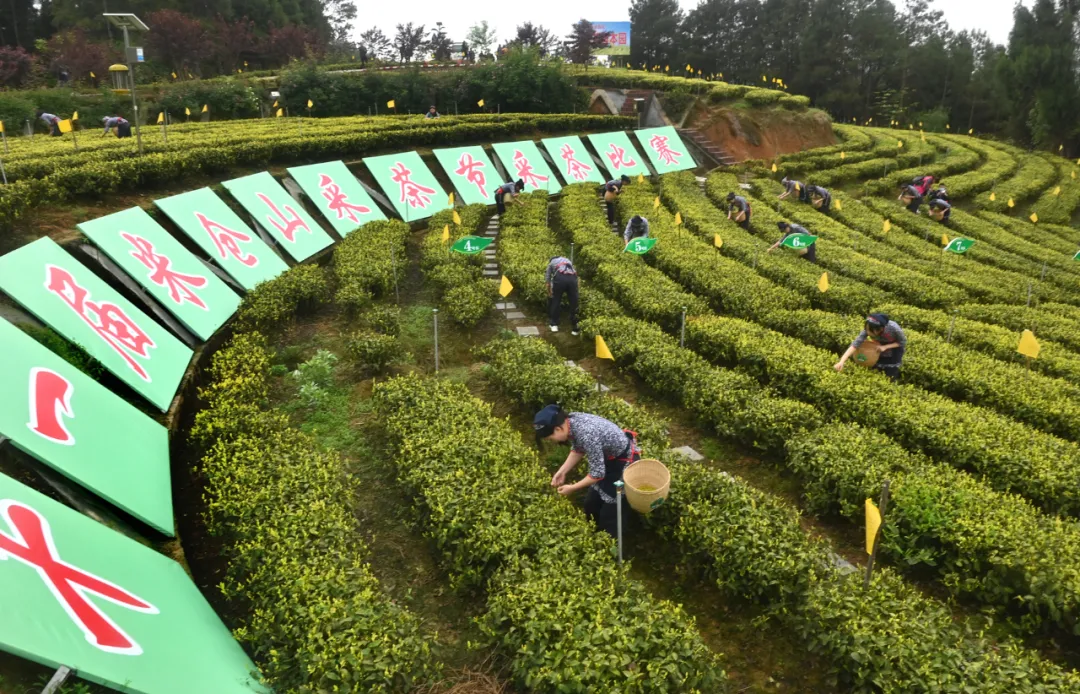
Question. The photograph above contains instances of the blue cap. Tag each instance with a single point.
(545, 418)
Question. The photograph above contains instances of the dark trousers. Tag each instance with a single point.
(123, 130)
(610, 212)
(500, 204)
(606, 515)
(890, 370)
(914, 206)
(563, 284)
(890, 362)
(811, 254)
(56, 131)
(745, 224)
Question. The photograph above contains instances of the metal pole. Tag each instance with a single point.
(884, 505)
(134, 104)
(952, 325)
(2, 172)
(618, 514)
(165, 127)
(571, 252)
(57, 681)
(4, 135)
(435, 312)
(1029, 294)
(682, 329)
(393, 268)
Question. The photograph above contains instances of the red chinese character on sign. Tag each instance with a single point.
(473, 171)
(286, 226)
(663, 151)
(50, 401)
(411, 191)
(617, 157)
(622, 38)
(181, 287)
(106, 319)
(526, 173)
(579, 171)
(339, 202)
(31, 543)
(227, 240)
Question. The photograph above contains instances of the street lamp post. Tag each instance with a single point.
(126, 22)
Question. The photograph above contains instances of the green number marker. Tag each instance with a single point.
(639, 246)
(470, 245)
(1077, 256)
(799, 241)
(960, 246)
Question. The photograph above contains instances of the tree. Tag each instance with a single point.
(289, 43)
(75, 52)
(481, 37)
(176, 40)
(533, 36)
(377, 45)
(339, 15)
(439, 43)
(584, 40)
(233, 43)
(408, 40)
(656, 36)
(16, 66)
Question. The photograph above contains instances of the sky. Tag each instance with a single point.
(992, 16)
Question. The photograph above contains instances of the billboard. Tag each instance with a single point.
(338, 195)
(665, 149)
(618, 42)
(471, 172)
(523, 160)
(281, 216)
(618, 154)
(409, 185)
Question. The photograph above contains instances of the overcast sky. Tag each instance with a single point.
(992, 16)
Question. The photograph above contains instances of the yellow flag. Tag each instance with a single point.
(1011, 203)
(93, 76)
(717, 241)
(457, 218)
(899, 143)
(873, 522)
(450, 199)
(823, 282)
(161, 118)
(843, 156)
(886, 227)
(1061, 147)
(174, 75)
(993, 196)
(206, 108)
(1057, 191)
(2, 127)
(280, 113)
(602, 352)
(920, 124)
(688, 68)
(947, 126)
(774, 167)
(75, 116)
(667, 68)
(944, 240)
(309, 104)
(245, 63)
(678, 218)
(390, 104)
(971, 131)
(275, 104)
(1034, 218)
(640, 178)
(656, 203)
(65, 126)
(838, 205)
(1028, 346)
(505, 287)
(446, 233)
(763, 79)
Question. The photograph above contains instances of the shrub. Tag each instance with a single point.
(315, 376)
(763, 97)
(385, 320)
(68, 351)
(364, 263)
(274, 302)
(795, 102)
(374, 351)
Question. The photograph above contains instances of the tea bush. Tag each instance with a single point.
(275, 302)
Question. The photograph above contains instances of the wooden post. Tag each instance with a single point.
(882, 507)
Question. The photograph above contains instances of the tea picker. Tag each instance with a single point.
(880, 345)
(798, 238)
(739, 210)
(636, 228)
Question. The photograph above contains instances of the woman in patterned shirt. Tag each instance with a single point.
(608, 448)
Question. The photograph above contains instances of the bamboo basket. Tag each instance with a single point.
(867, 354)
(647, 484)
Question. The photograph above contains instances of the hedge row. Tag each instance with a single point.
(1043, 322)
(1034, 174)
(1049, 404)
(531, 550)
(464, 293)
(526, 247)
(888, 156)
(1058, 207)
(1011, 456)
(275, 302)
(1036, 233)
(728, 285)
(985, 545)
(680, 192)
(852, 140)
(316, 618)
(1062, 269)
(993, 340)
(645, 291)
(365, 260)
(997, 166)
(956, 159)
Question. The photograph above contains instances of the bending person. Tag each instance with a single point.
(809, 253)
(739, 210)
(636, 228)
(891, 343)
(561, 278)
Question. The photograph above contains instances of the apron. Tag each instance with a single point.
(613, 467)
(609, 196)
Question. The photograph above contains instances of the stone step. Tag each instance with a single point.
(491, 273)
(491, 266)
(528, 331)
(506, 306)
(515, 315)
(689, 453)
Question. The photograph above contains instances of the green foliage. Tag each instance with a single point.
(531, 548)
(275, 302)
(1044, 323)
(385, 320)
(365, 260)
(763, 97)
(1061, 198)
(315, 376)
(374, 351)
(317, 619)
(465, 294)
(227, 99)
(68, 351)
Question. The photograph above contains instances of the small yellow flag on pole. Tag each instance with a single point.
(280, 113)
(1028, 346)
(505, 287)
(843, 156)
(993, 196)
(944, 240)
(309, 104)
(446, 232)
(187, 111)
(457, 218)
(275, 104)
(450, 199)
(390, 104)
(667, 68)
(823, 282)
(1034, 218)
(971, 131)
(838, 205)
(1011, 203)
(688, 68)
(75, 116)
(1057, 191)
(602, 352)
(92, 75)
(717, 241)
(656, 203)
(2, 127)
(678, 218)
(206, 108)
(174, 75)
(774, 167)
(899, 144)
(873, 523)
(640, 178)
(161, 118)
(886, 227)
(65, 125)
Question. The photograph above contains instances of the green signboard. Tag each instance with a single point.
(81, 429)
(74, 592)
(798, 241)
(471, 245)
(338, 195)
(618, 154)
(281, 216)
(665, 149)
(523, 160)
(639, 246)
(62, 293)
(220, 232)
(172, 275)
(572, 159)
(471, 173)
(959, 246)
(409, 184)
